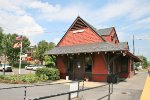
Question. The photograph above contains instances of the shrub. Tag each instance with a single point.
(49, 73)
(50, 65)
(1, 77)
(28, 78)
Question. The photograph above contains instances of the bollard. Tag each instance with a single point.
(109, 93)
(25, 93)
(83, 85)
(78, 88)
(112, 88)
(69, 97)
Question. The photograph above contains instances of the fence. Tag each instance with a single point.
(23, 95)
(22, 90)
(110, 91)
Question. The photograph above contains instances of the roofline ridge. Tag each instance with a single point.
(114, 45)
(105, 28)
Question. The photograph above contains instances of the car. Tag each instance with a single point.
(38, 66)
(5, 67)
(29, 67)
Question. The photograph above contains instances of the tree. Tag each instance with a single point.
(41, 48)
(149, 63)
(144, 62)
(13, 53)
(50, 61)
(1, 39)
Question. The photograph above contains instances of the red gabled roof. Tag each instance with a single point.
(79, 23)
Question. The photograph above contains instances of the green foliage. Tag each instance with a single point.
(2, 77)
(149, 63)
(50, 73)
(49, 61)
(137, 64)
(41, 48)
(8, 42)
(28, 78)
(144, 62)
(1, 38)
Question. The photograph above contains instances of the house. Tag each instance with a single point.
(87, 52)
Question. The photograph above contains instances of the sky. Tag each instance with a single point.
(49, 19)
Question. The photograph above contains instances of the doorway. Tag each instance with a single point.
(78, 69)
(75, 68)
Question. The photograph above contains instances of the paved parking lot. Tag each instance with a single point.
(16, 71)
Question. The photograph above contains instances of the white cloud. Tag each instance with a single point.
(139, 24)
(14, 19)
(143, 23)
(15, 15)
(140, 9)
(130, 10)
(56, 12)
(113, 10)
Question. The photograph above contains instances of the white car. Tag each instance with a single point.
(38, 66)
(7, 67)
(29, 67)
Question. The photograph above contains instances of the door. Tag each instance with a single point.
(78, 69)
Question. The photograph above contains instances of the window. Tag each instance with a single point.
(124, 65)
(88, 64)
(111, 38)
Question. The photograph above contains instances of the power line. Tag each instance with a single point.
(143, 38)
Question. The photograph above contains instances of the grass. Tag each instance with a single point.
(41, 75)
(20, 79)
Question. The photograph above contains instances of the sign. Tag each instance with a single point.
(74, 87)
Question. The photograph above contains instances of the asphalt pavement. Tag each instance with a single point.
(129, 89)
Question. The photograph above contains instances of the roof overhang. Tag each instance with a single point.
(85, 48)
(136, 59)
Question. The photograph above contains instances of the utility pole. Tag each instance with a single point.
(20, 58)
(133, 45)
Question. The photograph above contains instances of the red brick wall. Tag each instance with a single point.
(99, 67)
(60, 63)
(88, 36)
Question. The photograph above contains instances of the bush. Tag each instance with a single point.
(49, 73)
(50, 65)
(1, 77)
(28, 78)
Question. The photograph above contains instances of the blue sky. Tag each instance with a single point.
(49, 19)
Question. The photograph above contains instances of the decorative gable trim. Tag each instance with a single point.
(115, 33)
(77, 28)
